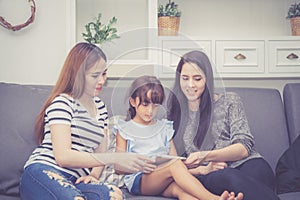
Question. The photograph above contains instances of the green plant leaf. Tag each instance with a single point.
(170, 9)
(97, 32)
(294, 11)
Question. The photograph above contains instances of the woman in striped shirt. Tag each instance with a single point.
(71, 130)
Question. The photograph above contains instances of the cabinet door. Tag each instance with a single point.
(284, 57)
(173, 48)
(240, 58)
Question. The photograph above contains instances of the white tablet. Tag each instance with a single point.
(165, 158)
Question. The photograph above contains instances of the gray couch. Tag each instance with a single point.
(21, 103)
(291, 97)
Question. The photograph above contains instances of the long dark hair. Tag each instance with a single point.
(178, 110)
(71, 81)
(140, 87)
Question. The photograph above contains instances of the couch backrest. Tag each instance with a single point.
(264, 109)
(19, 106)
(265, 113)
(291, 99)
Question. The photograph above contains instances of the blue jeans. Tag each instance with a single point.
(40, 181)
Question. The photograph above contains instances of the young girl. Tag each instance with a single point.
(146, 135)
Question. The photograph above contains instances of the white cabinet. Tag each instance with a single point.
(239, 49)
(243, 58)
(172, 48)
(284, 57)
(240, 57)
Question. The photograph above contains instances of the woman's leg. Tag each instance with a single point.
(39, 180)
(260, 170)
(42, 181)
(158, 181)
(236, 181)
(94, 191)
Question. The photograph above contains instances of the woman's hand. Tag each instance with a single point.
(211, 167)
(87, 179)
(132, 163)
(214, 166)
(194, 159)
(115, 193)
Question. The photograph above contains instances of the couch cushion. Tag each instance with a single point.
(265, 113)
(288, 169)
(290, 196)
(19, 107)
(129, 196)
(291, 97)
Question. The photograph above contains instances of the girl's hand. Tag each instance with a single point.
(195, 158)
(87, 179)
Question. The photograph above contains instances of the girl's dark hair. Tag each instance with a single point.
(140, 87)
(178, 110)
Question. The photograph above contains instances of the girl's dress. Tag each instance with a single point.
(150, 140)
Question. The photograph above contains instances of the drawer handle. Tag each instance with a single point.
(292, 56)
(240, 57)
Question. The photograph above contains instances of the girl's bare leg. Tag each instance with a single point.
(173, 190)
(157, 181)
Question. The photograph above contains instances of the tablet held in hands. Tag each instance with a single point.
(160, 159)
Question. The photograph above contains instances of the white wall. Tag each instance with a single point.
(35, 54)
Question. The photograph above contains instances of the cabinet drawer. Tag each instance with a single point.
(284, 56)
(240, 57)
(173, 49)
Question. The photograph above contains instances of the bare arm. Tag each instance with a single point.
(102, 148)
(173, 151)
(230, 153)
(66, 157)
(121, 143)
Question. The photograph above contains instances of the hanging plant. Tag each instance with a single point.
(30, 20)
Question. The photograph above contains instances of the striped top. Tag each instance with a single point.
(86, 132)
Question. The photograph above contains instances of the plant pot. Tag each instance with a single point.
(295, 25)
(168, 26)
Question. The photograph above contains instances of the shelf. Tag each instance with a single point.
(262, 35)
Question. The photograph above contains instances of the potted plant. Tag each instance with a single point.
(294, 16)
(98, 33)
(168, 18)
